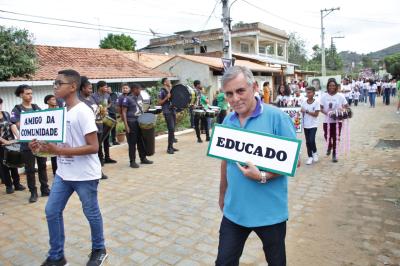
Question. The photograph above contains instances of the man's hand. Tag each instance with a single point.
(34, 145)
(250, 171)
(50, 148)
(303, 110)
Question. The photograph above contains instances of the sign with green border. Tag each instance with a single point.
(268, 152)
(44, 125)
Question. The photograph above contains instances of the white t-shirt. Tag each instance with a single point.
(298, 101)
(332, 103)
(346, 89)
(356, 95)
(308, 120)
(80, 122)
(372, 88)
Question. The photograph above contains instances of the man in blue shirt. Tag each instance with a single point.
(252, 200)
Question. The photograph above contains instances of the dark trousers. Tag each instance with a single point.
(104, 145)
(135, 138)
(232, 238)
(387, 96)
(204, 124)
(355, 102)
(170, 120)
(113, 130)
(332, 135)
(54, 165)
(221, 116)
(310, 133)
(6, 173)
(350, 101)
(29, 160)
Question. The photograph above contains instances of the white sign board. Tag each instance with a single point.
(44, 125)
(268, 152)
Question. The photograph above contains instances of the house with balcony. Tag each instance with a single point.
(253, 39)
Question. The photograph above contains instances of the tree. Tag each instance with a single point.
(119, 42)
(297, 49)
(17, 53)
(392, 64)
(366, 61)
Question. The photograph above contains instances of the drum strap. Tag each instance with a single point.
(137, 104)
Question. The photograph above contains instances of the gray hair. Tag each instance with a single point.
(234, 71)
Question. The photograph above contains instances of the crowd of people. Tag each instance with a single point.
(77, 163)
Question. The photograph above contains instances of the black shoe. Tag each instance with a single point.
(328, 152)
(175, 140)
(134, 165)
(207, 138)
(34, 197)
(9, 190)
(60, 262)
(334, 159)
(170, 151)
(97, 257)
(146, 161)
(116, 143)
(45, 192)
(199, 141)
(20, 187)
(175, 149)
(109, 160)
(103, 176)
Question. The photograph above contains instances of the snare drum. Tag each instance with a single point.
(146, 100)
(109, 122)
(199, 113)
(147, 123)
(182, 96)
(210, 113)
(216, 109)
(13, 156)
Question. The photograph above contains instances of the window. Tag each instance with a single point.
(203, 49)
(270, 49)
(245, 47)
(188, 50)
(280, 49)
(261, 50)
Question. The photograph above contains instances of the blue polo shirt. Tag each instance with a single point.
(248, 202)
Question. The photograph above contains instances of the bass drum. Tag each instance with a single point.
(146, 100)
(13, 156)
(182, 96)
(147, 124)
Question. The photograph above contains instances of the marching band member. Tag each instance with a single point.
(132, 108)
(202, 103)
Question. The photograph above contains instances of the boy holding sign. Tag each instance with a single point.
(79, 171)
(252, 200)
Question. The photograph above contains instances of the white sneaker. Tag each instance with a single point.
(315, 157)
(309, 160)
(398, 112)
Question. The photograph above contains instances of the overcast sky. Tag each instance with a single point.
(366, 27)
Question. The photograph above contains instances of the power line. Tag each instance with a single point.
(280, 17)
(77, 22)
(212, 12)
(365, 19)
(71, 26)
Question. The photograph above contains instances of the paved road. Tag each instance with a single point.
(167, 213)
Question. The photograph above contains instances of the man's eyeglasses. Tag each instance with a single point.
(58, 83)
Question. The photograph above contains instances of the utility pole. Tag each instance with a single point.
(328, 11)
(226, 27)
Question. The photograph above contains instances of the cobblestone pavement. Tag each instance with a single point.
(167, 213)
